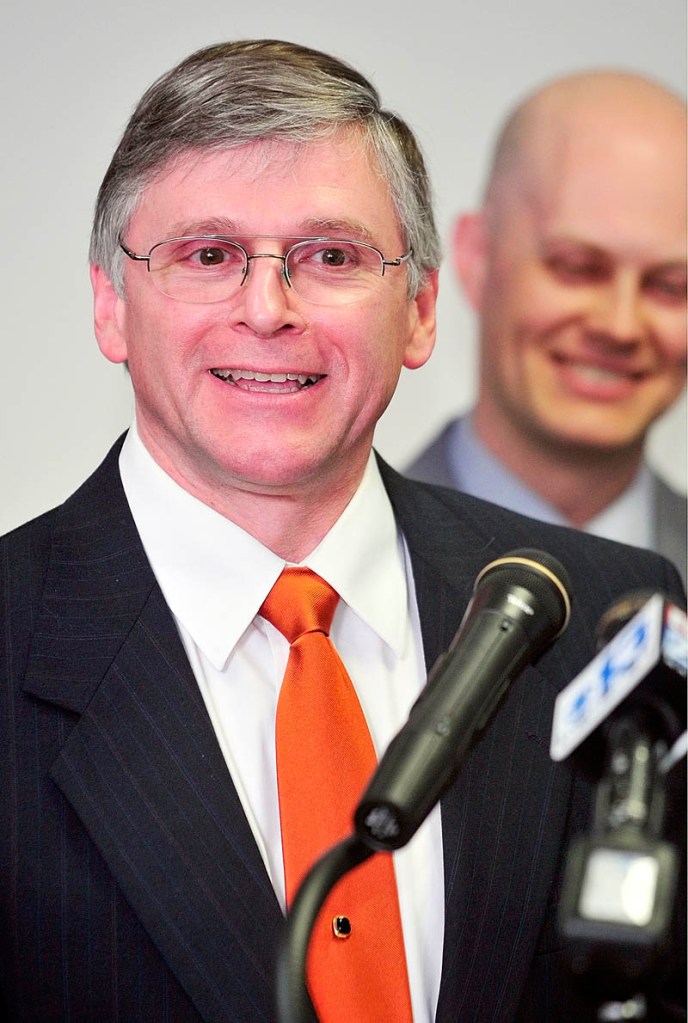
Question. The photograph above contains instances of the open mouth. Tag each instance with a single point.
(281, 383)
(599, 373)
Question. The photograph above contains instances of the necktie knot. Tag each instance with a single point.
(300, 602)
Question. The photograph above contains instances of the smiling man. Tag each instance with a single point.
(576, 267)
(205, 649)
(212, 332)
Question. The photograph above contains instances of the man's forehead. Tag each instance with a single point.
(600, 120)
(620, 194)
(263, 158)
(333, 181)
(257, 158)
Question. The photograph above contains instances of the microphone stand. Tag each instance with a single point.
(293, 1001)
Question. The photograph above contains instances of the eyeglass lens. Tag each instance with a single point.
(212, 269)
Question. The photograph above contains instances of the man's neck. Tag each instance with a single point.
(289, 525)
(289, 519)
(579, 482)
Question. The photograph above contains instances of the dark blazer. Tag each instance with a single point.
(670, 512)
(131, 887)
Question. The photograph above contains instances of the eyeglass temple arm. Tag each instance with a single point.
(133, 255)
(401, 259)
(396, 262)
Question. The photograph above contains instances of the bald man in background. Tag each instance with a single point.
(576, 268)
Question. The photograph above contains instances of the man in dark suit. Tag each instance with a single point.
(576, 269)
(264, 259)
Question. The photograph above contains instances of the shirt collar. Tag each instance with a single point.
(630, 518)
(214, 575)
(362, 556)
(627, 519)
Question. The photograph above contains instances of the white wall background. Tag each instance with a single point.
(71, 72)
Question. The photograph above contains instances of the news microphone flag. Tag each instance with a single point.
(657, 634)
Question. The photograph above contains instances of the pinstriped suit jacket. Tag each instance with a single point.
(131, 888)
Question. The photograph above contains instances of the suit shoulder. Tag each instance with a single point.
(30, 538)
(24, 560)
(25, 551)
(674, 502)
(432, 464)
(24, 555)
(461, 523)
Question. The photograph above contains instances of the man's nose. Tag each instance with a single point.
(618, 310)
(265, 298)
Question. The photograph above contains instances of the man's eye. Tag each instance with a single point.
(576, 271)
(210, 256)
(333, 257)
(667, 288)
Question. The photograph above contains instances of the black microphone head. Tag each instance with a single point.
(621, 611)
(660, 694)
(542, 576)
(520, 602)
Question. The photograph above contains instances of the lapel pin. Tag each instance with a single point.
(341, 927)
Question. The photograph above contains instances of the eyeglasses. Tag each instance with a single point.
(212, 268)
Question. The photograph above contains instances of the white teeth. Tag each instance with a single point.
(596, 372)
(275, 378)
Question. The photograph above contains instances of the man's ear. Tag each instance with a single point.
(108, 316)
(469, 255)
(422, 337)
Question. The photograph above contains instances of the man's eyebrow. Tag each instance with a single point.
(213, 225)
(670, 266)
(592, 248)
(312, 227)
(573, 242)
(338, 226)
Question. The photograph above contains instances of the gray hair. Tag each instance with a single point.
(230, 94)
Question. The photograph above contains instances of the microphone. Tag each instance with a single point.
(622, 723)
(520, 604)
(642, 645)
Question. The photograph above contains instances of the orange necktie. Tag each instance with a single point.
(356, 968)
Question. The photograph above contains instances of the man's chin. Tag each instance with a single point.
(594, 440)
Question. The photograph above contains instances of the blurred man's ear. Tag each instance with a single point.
(469, 252)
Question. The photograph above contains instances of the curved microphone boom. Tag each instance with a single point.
(520, 604)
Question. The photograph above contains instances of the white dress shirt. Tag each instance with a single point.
(214, 577)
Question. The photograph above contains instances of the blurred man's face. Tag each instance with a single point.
(265, 391)
(583, 300)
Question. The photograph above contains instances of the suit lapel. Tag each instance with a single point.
(142, 767)
(446, 557)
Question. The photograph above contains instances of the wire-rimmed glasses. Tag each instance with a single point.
(212, 268)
